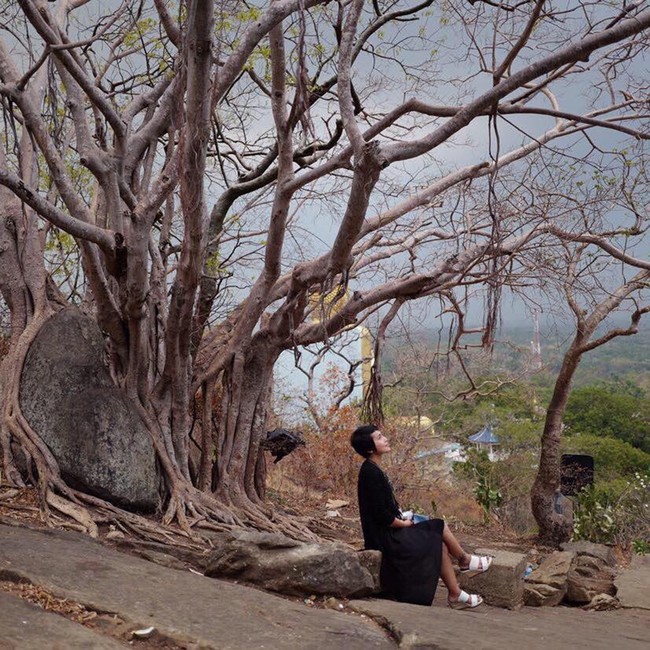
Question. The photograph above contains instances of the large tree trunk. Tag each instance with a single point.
(246, 391)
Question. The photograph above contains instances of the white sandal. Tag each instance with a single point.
(465, 601)
(477, 564)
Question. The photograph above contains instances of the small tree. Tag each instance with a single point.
(555, 527)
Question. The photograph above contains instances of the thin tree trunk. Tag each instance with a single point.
(554, 528)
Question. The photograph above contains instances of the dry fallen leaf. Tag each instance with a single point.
(334, 504)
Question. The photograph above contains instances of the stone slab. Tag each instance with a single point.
(502, 585)
(600, 551)
(633, 584)
(489, 628)
(24, 626)
(285, 566)
(182, 606)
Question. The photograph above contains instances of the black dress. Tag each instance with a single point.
(411, 556)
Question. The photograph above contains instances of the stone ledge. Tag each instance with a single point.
(29, 627)
(633, 584)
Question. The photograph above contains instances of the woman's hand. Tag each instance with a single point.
(402, 523)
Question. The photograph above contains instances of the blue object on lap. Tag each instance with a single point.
(420, 518)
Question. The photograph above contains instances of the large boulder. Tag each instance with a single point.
(91, 427)
(546, 586)
(502, 585)
(589, 577)
(286, 566)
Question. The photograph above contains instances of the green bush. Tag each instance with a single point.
(480, 471)
(613, 459)
(593, 516)
(615, 513)
(640, 547)
(610, 410)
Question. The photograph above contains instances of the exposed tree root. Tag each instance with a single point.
(74, 511)
(187, 509)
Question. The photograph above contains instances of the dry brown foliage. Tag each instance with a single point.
(43, 598)
(327, 467)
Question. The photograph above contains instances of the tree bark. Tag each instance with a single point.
(554, 528)
(246, 389)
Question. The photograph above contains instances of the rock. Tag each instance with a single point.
(91, 427)
(333, 603)
(546, 586)
(502, 585)
(188, 611)
(633, 583)
(541, 595)
(285, 566)
(588, 577)
(600, 551)
(371, 560)
(30, 627)
(602, 603)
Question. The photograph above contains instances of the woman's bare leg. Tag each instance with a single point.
(448, 575)
(455, 549)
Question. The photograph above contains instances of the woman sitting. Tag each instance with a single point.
(414, 556)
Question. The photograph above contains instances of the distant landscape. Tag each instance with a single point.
(626, 357)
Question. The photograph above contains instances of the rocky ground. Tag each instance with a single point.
(65, 590)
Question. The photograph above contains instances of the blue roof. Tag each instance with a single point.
(485, 435)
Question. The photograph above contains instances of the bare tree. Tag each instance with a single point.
(121, 129)
(591, 309)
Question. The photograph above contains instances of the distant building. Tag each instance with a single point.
(452, 452)
(486, 440)
(422, 423)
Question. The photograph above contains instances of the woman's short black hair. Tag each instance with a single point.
(362, 441)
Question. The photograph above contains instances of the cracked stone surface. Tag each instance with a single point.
(490, 628)
(24, 626)
(199, 612)
(182, 606)
(633, 584)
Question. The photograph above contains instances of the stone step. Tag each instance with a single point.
(502, 585)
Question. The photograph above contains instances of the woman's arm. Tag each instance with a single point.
(401, 523)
